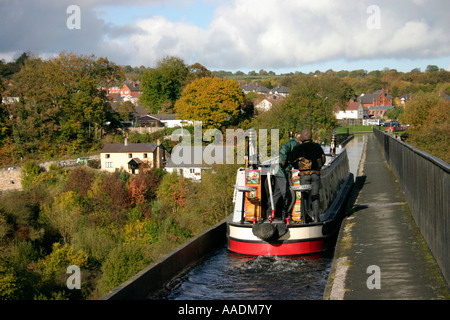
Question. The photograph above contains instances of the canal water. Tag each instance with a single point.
(223, 275)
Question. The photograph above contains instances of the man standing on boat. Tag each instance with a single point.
(309, 160)
(282, 177)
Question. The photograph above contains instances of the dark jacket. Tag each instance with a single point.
(287, 158)
(309, 158)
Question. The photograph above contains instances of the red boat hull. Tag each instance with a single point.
(276, 249)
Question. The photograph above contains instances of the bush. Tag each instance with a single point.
(79, 180)
(30, 171)
(123, 262)
(9, 286)
(96, 242)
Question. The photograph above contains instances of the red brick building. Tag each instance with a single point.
(378, 103)
(130, 88)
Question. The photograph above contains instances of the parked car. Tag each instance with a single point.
(83, 160)
(13, 168)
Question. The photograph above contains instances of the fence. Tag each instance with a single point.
(424, 180)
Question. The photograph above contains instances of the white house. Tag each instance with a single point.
(268, 101)
(132, 156)
(162, 121)
(281, 90)
(264, 105)
(354, 110)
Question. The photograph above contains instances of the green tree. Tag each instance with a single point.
(9, 283)
(59, 103)
(394, 113)
(312, 102)
(214, 101)
(63, 214)
(162, 86)
(126, 108)
(197, 71)
(123, 262)
(212, 200)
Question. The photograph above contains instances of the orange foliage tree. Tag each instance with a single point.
(214, 101)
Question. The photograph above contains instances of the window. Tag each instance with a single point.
(145, 156)
(192, 170)
(108, 164)
(130, 155)
(107, 156)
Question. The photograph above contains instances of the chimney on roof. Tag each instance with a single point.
(159, 152)
(125, 141)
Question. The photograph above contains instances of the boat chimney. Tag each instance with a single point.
(252, 149)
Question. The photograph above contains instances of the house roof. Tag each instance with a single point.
(165, 116)
(148, 117)
(280, 89)
(351, 105)
(158, 117)
(135, 161)
(261, 89)
(133, 86)
(254, 87)
(129, 148)
(369, 98)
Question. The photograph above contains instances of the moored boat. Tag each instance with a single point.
(251, 232)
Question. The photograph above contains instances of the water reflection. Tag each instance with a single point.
(354, 151)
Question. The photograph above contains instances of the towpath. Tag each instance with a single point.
(380, 254)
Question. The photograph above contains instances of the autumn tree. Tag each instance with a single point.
(417, 109)
(59, 104)
(142, 187)
(430, 117)
(79, 180)
(214, 101)
(173, 190)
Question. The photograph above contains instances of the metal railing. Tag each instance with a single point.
(424, 180)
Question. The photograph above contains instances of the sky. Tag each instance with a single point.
(274, 35)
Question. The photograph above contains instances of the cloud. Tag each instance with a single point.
(242, 34)
(291, 33)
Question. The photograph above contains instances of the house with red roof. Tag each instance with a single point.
(353, 110)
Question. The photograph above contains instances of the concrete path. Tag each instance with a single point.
(380, 254)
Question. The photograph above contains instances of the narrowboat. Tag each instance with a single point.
(251, 232)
